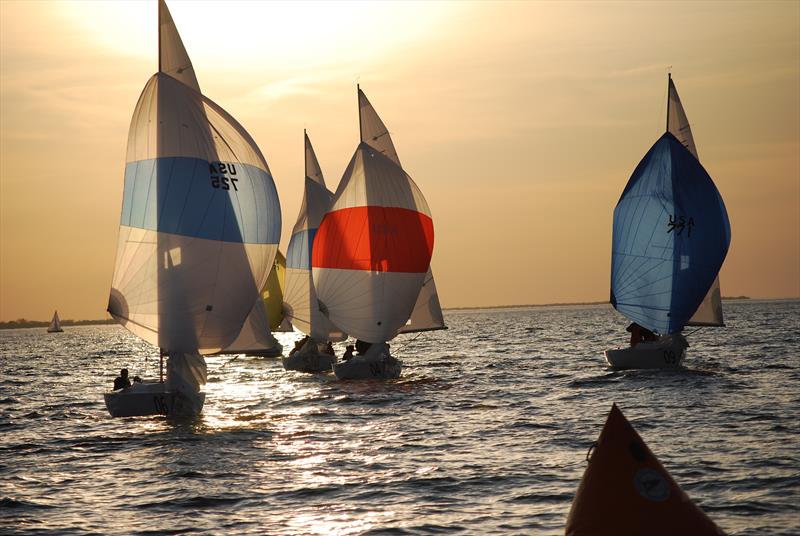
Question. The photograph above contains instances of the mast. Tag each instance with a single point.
(305, 157)
(360, 129)
(158, 5)
(669, 83)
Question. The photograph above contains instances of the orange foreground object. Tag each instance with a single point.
(625, 491)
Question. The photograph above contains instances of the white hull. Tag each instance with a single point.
(667, 352)
(152, 398)
(309, 361)
(377, 363)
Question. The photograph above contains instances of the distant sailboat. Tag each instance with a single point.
(300, 300)
(198, 234)
(626, 490)
(55, 324)
(371, 255)
(671, 235)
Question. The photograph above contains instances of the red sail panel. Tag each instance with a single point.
(376, 239)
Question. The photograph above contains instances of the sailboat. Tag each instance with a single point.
(371, 255)
(199, 229)
(671, 235)
(55, 324)
(626, 490)
(266, 316)
(300, 300)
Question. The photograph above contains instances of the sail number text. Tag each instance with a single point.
(219, 175)
(679, 223)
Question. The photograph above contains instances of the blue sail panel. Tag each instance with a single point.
(671, 234)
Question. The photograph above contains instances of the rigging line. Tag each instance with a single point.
(695, 331)
(409, 342)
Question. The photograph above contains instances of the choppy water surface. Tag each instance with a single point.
(485, 433)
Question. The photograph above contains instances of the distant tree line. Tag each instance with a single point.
(23, 323)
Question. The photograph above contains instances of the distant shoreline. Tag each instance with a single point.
(23, 323)
(567, 304)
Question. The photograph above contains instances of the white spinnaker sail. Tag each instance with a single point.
(710, 311)
(427, 314)
(300, 298)
(373, 249)
(373, 132)
(200, 218)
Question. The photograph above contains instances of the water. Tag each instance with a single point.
(485, 433)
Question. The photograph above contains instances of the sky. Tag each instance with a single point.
(520, 121)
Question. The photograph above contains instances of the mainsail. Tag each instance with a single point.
(427, 314)
(200, 219)
(710, 311)
(301, 304)
(671, 234)
(373, 249)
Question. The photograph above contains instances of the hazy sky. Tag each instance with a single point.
(520, 121)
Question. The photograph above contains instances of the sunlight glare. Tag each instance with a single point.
(254, 35)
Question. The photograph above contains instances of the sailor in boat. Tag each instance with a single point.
(122, 381)
(298, 345)
(640, 334)
(348, 352)
(329, 349)
(362, 346)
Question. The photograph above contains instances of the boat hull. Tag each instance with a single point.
(310, 362)
(153, 398)
(59, 330)
(667, 352)
(377, 364)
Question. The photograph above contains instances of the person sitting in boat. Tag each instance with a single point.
(329, 349)
(298, 345)
(122, 381)
(362, 346)
(640, 334)
(348, 353)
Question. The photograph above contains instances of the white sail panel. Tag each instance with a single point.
(161, 291)
(373, 131)
(376, 305)
(255, 335)
(313, 169)
(302, 307)
(677, 122)
(427, 314)
(374, 180)
(710, 311)
(173, 59)
(172, 121)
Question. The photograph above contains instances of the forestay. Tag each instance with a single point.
(710, 311)
(301, 304)
(671, 234)
(373, 249)
(200, 217)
